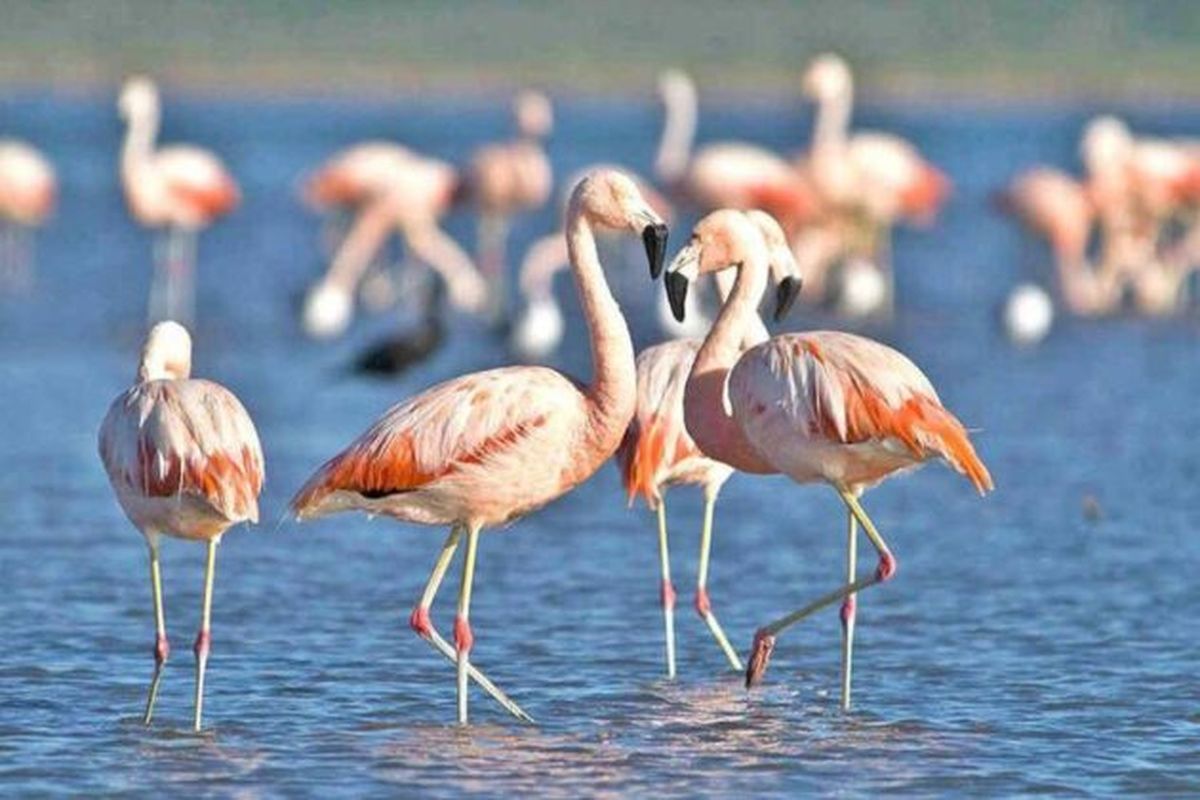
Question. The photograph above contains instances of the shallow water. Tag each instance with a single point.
(1022, 648)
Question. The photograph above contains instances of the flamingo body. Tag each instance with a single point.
(357, 174)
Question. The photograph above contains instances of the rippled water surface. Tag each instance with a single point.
(1024, 647)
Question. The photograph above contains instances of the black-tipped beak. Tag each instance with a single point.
(785, 296)
(677, 289)
(655, 238)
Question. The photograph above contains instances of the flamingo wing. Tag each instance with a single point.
(464, 427)
(834, 389)
(187, 437)
(198, 179)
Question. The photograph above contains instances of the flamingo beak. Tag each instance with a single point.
(654, 237)
(677, 289)
(785, 296)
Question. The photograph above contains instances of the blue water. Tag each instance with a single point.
(1024, 647)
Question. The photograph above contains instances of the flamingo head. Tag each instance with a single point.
(722, 240)
(139, 98)
(676, 85)
(1106, 143)
(828, 76)
(533, 114)
(611, 200)
(167, 354)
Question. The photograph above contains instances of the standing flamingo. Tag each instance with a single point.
(865, 181)
(819, 407)
(657, 451)
(27, 192)
(505, 179)
(184, 460)
(723, 174)
(179, 190)
(484, 449)
(414, 202)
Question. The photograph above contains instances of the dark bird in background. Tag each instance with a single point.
(401, 350)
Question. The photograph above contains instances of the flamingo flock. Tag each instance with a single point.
(720, 396)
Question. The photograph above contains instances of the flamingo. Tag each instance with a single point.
(538, 329)
(818, 407)
(184, 460)
(507, 178)
(414, 203)
(27, 192)
(398, 352)
(723, 174)
(179, 190)
(869, 180)
(657, 451)
(486, 448)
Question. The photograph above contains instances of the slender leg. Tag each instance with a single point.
(703, 604)
(463, 637)
(667, 592)
(204, 637)
(162, 647)
(493, 238)
(764, 638)
(849, 608)
(423, 625)
(156, 306)
(187, 277)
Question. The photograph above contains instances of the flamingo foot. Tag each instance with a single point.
(760, 656)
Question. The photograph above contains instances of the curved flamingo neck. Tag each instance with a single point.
(679, 132)
(832, 125)
(756, 332)
(613, 390)
(707, 414)
(140, 136)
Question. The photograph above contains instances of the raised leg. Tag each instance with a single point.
(764, 638)
(849, 609)
(667, 589)
(463, 637)
(204, 637)
(422, 623)
(703, 604)
(162, 648)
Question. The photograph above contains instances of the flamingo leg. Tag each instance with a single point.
(703, 604)
(849, 609)
(463, 637)
(492, 240)
(764, 638)
(204, 637)
(161, 647)
(423, 625)
(667, 593)
(156, 309)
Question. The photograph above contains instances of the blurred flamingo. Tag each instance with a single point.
(184, 460)
(723, 174)
(505, 179)
(484, 449)
(867, 181)
(819, 407)
(27, 192)
(178, 190)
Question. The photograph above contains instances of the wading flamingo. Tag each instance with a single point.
(505, 179)
(178, 190)
(184, 460)
(414, 204)
(867, 181)
(27, 191)
(819, 407)
(723, 174)
(657, 451)
(484, 449)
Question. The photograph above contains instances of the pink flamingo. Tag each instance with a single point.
(484, 449)
(657, 451)
(507, 178)
(818, 407)
(27, 192)
(184, 460)
(723, 174)
(179, 190)
(414, 202)
(869, 180)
